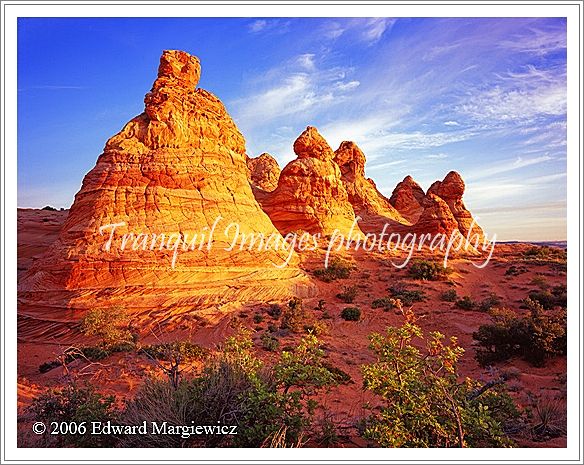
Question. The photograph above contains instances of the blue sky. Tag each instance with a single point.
(420, 96)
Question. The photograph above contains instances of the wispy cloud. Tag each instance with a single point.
(271, 25)
(506, 166)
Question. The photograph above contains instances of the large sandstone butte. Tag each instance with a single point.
(264, 172)
(310, 195)
(368, 203)
(174, 169)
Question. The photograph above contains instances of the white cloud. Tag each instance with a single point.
(451, 123)
(437, 156)
(374, 28)
(505, 166)
(257, 26)
(306, 61)
(537, 41)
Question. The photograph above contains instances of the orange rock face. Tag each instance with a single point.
(171, 176)
(451, 190)
(368, 203)
(436, 218)
(311, 195)
(407, 198)
(264, 172)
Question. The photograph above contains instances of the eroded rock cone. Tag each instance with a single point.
(264, 172)
(407, 198)
(174, 170)
(436, 218)
(368, 203)
(310, 195)
(451, 190)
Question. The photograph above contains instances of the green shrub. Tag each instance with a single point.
(294, 316)
(407, 296)
(556, 297)
(348, 295)
(424, 405)
(449, 296)
(73, 404)
(490, 302)
(535, 337)
(270, 342)
(336, 269)
(545, 253)
(185, 349)
(110, 325)
(428, 271)
(351, 314)
(275, 311)
(466, 303)
(387, 303)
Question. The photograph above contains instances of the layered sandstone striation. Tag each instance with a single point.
(369, 204)
(264, 172)
(311, 195)
(172, 175)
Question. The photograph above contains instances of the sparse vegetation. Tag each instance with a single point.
(187, 350)
(294, 316)
(270, 342)
(110, 325)
(429, 271)
(351, 314)
(534, 337)
(407, 296)
(336, 269)
(348, 295)
(490, 302)
(545, 253)
(424, 403)
(275, 311)
(75, 405)
(556, 297)
(466, 303)
(387, 303)
(449, 296)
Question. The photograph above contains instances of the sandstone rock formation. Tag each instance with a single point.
(174, 171)
(310, 195)
(407, 198)
(436, 217)
(374, 209)
(451, 190)
(264, 172)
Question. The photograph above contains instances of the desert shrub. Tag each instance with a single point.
(549, 419)
(449, 296)
(490, 302)
(534, 337)
(556, 297)
(515, 270)
(110, 325)
(466, 303)
(428, 271)
(336, 269)
(73, 404)
(321, 305)
(275, 311)
(235, 389)
(387, 303)
(407, 296)
(294, 316)
(258, 318)
(187, 350)
(318, 328)
(348, 295)
(540, 282)
(351, 314)
(339, 376)
(270, 342)
(424, 405)
(545, 253)
(90, 353)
